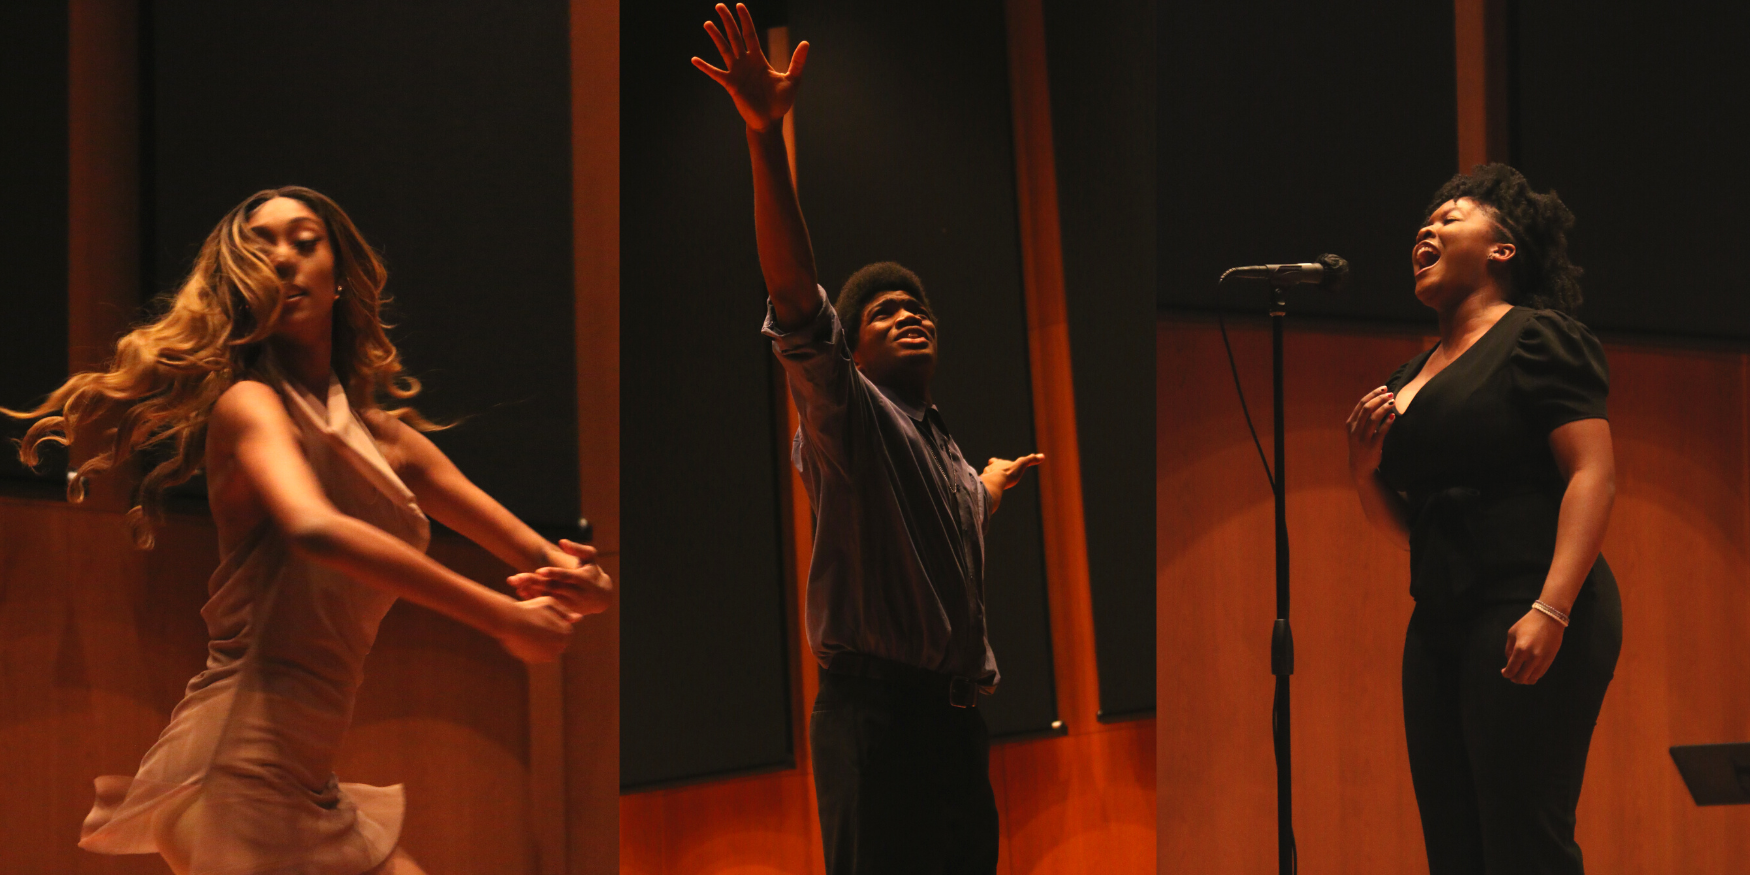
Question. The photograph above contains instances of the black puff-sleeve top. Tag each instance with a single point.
(1472, 454)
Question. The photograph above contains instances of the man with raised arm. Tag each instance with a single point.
(895, 609)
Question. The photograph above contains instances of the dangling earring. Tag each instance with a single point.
(339, 290)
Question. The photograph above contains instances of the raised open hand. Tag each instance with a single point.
(762, 95)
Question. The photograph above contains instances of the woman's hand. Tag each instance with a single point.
(575, 581)
(762, 95)
(1531, 647)
(1368, 424)
(536, 630)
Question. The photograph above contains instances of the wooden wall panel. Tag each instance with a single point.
(97, 641)
(1678, 546)
(1480, 46)
(1082, 803)
(1678, 540)
(590, 728)
(85, 683)
(103, 191)
(1216, 602)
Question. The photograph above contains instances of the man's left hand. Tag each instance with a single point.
(1001, 475)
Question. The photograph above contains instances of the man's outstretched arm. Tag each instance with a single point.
(764, 96)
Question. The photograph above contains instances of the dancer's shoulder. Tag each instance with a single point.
(246, 404)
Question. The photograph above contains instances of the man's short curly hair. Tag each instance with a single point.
(866, 284)
(1538, 224)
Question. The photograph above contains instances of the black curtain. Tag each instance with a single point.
(443, 127)
(704, 675)
(1288, 130)
(33, 224)
(1631, 114)
(1101, 60)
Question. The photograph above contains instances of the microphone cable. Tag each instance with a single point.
(1221, 321)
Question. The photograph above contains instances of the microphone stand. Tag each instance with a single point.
(1331, 272)
(1282, 637)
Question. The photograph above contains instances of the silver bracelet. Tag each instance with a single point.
(1553, 614)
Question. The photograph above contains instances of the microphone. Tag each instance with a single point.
(1330, 273)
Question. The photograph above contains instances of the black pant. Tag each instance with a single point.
(1497, 766)
(903, 780)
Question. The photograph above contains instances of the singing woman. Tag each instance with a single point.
(1489, 458)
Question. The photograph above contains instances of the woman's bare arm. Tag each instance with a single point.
(1586, 457)
(1587, 461)
(763, 96)
(568, 570)
(449, 497)
(251, 425)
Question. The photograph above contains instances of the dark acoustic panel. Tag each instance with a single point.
(1101, 57)
(905, 152)
(704, 676)
(1292, 129)
(444, 128)
(33, 220)
(1632, 115)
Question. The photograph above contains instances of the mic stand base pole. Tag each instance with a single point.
(1282, 637)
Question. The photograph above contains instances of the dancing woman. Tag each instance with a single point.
(1489, 458)
(265, 373)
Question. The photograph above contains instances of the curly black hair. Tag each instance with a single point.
(868, 282)
(1538, 224)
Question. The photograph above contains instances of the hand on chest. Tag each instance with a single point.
(1461, 421)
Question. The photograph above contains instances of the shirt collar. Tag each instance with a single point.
(915, 412)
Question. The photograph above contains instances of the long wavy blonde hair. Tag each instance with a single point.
(168, 372)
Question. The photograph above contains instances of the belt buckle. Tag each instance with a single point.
(962, 692)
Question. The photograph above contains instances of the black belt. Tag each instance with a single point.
(1446, 549)
(962, 692)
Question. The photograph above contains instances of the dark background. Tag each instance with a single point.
(1636, 120)
(444, 129)
(33, 223)
(1101, 60)
(704, 676)
(1288, 131)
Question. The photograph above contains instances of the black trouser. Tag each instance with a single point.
(903, 779)
(1497, 766)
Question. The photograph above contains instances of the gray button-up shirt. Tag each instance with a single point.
(899, 516)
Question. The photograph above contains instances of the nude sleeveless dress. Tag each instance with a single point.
(256, 732)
